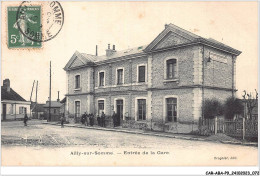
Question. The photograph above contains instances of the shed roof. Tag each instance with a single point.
(12, 95)
(54, 104)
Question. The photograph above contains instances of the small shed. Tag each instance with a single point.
(52, 110)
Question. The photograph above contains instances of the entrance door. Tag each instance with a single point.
(4, 111)
(119, 111)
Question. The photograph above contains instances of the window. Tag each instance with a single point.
(141, 109)
(25, 110)
(100, 107)
(20, 110)
(12, 109)
(101, 78)
(77, 81)
(171, 69)
(77, 108)
(171, 109)
(55, 111)
(119, 76)
(141, 74)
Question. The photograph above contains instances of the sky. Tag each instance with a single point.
(126, 25)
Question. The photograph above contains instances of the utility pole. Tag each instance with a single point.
(32, 91)
(49, 118)
(31, 97)
(36, 108)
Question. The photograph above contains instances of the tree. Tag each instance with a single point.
(212, 108)
(250, 101)
(232, 107)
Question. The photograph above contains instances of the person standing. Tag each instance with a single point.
(62, 120)
(103, 118)
(91, 119)
(114, 118)
(98, 120)
(25, 119)
(83, 119)
(87, 119)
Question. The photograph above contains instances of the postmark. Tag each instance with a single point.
(32, 23)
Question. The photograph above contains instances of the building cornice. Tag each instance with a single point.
(16, 102)
(199, 41)
(123, 58)
(77, 94)
(194, 86)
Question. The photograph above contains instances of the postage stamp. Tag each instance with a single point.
(17, 27)
(32, 23)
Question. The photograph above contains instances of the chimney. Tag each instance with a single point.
(110, 52)
(58, 100)
(6, 85)
(96, 50)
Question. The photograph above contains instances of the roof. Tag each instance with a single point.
(39, 107)
(193, 38)
(90, 60)
(54, 104)
(12, 95)
(117, 54)
(187, 37)
(64, 100)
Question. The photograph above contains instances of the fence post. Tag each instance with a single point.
(244, 129)
(216, 125)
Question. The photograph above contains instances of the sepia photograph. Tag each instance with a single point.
(130, 83)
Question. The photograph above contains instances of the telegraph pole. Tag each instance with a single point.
(32, 91)
(50, 96)
(36, 108)
(31, 98)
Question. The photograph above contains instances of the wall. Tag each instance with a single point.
(130, 76)
(217, 73)
(184, 58)
(220, 95)
(86, 83)
(83, 104)
(184, 104)
(12, 111)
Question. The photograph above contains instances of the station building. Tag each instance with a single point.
(164, 82)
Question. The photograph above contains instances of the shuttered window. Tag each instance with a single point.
(171, 69)
(77, 108)
(141, 75)
(101, 78)
(77, 81)
(120, 76)
(171, 109)
(141, 109)
(100, 106)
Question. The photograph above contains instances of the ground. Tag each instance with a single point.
(44, 144)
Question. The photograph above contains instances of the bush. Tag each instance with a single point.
(232, 107)
(212, 108)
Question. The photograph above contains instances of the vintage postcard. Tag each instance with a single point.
(129, 83)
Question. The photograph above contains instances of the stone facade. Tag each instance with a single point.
(203, 69)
